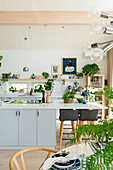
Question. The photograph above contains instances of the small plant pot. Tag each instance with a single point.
(48, 99)
(69, 100)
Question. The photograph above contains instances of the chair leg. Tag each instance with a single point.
(61, 132)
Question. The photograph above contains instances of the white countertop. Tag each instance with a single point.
(58, 104)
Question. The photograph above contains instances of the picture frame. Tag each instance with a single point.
(69, 66)
(55, 70)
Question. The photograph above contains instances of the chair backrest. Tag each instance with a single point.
(68, 114)
(13, 160)
(88, 115)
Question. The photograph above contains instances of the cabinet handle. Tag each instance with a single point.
(19, 113)
(37, 113)
(16, 113)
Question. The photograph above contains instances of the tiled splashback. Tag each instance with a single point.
(60, 88)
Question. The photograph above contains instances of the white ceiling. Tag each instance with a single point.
(46, 5)
(49, 37)
(46, 37)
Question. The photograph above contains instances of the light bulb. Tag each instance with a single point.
(97, 54)
(87, 53)
(94, 13)
(97, 29)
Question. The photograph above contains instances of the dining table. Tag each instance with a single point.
(82, 150)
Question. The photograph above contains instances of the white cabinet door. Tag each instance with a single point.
(27, 127)
(46, 128)
(8, 128)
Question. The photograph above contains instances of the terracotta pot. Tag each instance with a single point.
(69, 100)
(48, 99)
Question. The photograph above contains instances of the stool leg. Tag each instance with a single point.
(73, 127)
(61, 131)
(80, 124)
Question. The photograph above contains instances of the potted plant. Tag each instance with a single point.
(102, 133)
(39, 88)
(79, 75)
(68, 97)
(49, 87)
(45, 74)
(5, 77)
(90, 69)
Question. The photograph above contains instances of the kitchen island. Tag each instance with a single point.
(29, 125)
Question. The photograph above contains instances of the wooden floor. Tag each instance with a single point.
(33, 160)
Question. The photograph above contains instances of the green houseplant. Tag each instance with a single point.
(49, 87)
(45, 74)
(90, 69)
(101, 132)
(68, 97)
(79, 75)
(5, 77)
(39, 88)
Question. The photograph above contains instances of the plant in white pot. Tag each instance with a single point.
(49, 87)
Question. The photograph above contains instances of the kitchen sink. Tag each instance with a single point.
(25, 102)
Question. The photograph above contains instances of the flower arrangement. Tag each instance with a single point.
(91, 91)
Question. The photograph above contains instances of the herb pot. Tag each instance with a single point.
(48, 99)
(69, 100)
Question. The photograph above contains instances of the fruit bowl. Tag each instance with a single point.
(80, 99)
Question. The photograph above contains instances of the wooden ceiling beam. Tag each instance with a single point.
(44, 17)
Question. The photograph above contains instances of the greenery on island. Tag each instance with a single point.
(90, 69)
(68, 95)
(101, 132)
(79, 74)
(5, 77)
(49, 85)
(39, 88)
(12, 89)
(1, 57)
(45, 74)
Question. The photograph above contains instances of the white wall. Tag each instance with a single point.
(41, 60)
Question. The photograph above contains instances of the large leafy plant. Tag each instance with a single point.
(90, 69)
(101, 132)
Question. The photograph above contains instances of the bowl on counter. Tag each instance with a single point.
(80, 99)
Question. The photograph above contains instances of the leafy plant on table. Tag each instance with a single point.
(101, 132)
(79, 74)
(39, 88)
(90, 69)
(68, 95)
(49, 85)
(45, 74)
(5, 77)
(1, 57)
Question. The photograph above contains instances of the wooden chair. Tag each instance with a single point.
(20, 153)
